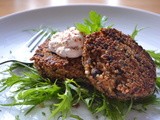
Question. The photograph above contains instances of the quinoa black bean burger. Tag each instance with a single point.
(60, 57)
(117, 66)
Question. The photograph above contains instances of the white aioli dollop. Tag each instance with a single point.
(68, 43)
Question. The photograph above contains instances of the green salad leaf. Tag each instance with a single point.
(156, 57)
(158, 82)
(135, 32)
(66, 99)
(92, 24)
(34, 90)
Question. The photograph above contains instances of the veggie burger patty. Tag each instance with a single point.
(52, 66)
(117, 66)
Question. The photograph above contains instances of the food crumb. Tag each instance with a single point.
(97, 117)
(51, 108)
(10, 52)
(43, 113)
(41, 105)
(76, 105)
(17, 117)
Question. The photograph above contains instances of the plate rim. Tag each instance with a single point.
(80, 5)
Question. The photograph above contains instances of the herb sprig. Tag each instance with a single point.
(135, 32)
(156, 57)
(94, 23)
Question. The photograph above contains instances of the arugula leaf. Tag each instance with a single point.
(94, 23)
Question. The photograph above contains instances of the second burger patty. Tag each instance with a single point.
(117, 66)
(52, 66)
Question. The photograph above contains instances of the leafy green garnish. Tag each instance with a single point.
(155, 56)
(158, 82)
(34, 90)
(94, 23)
(156, 59)
(17, 117)
(66, 100)
(112, 108)
(135, 32)
(118, 110)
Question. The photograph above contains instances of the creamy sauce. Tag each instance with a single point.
(68, 43)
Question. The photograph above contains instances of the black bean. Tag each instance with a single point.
(95, 71)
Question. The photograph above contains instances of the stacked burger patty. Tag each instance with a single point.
(111, 61)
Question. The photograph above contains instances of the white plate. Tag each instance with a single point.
(12, 36)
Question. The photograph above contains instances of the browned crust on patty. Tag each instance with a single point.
(117, 66)
(52, 66)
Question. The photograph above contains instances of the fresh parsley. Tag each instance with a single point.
(92, 24)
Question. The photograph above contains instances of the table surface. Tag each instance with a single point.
(11, 6)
